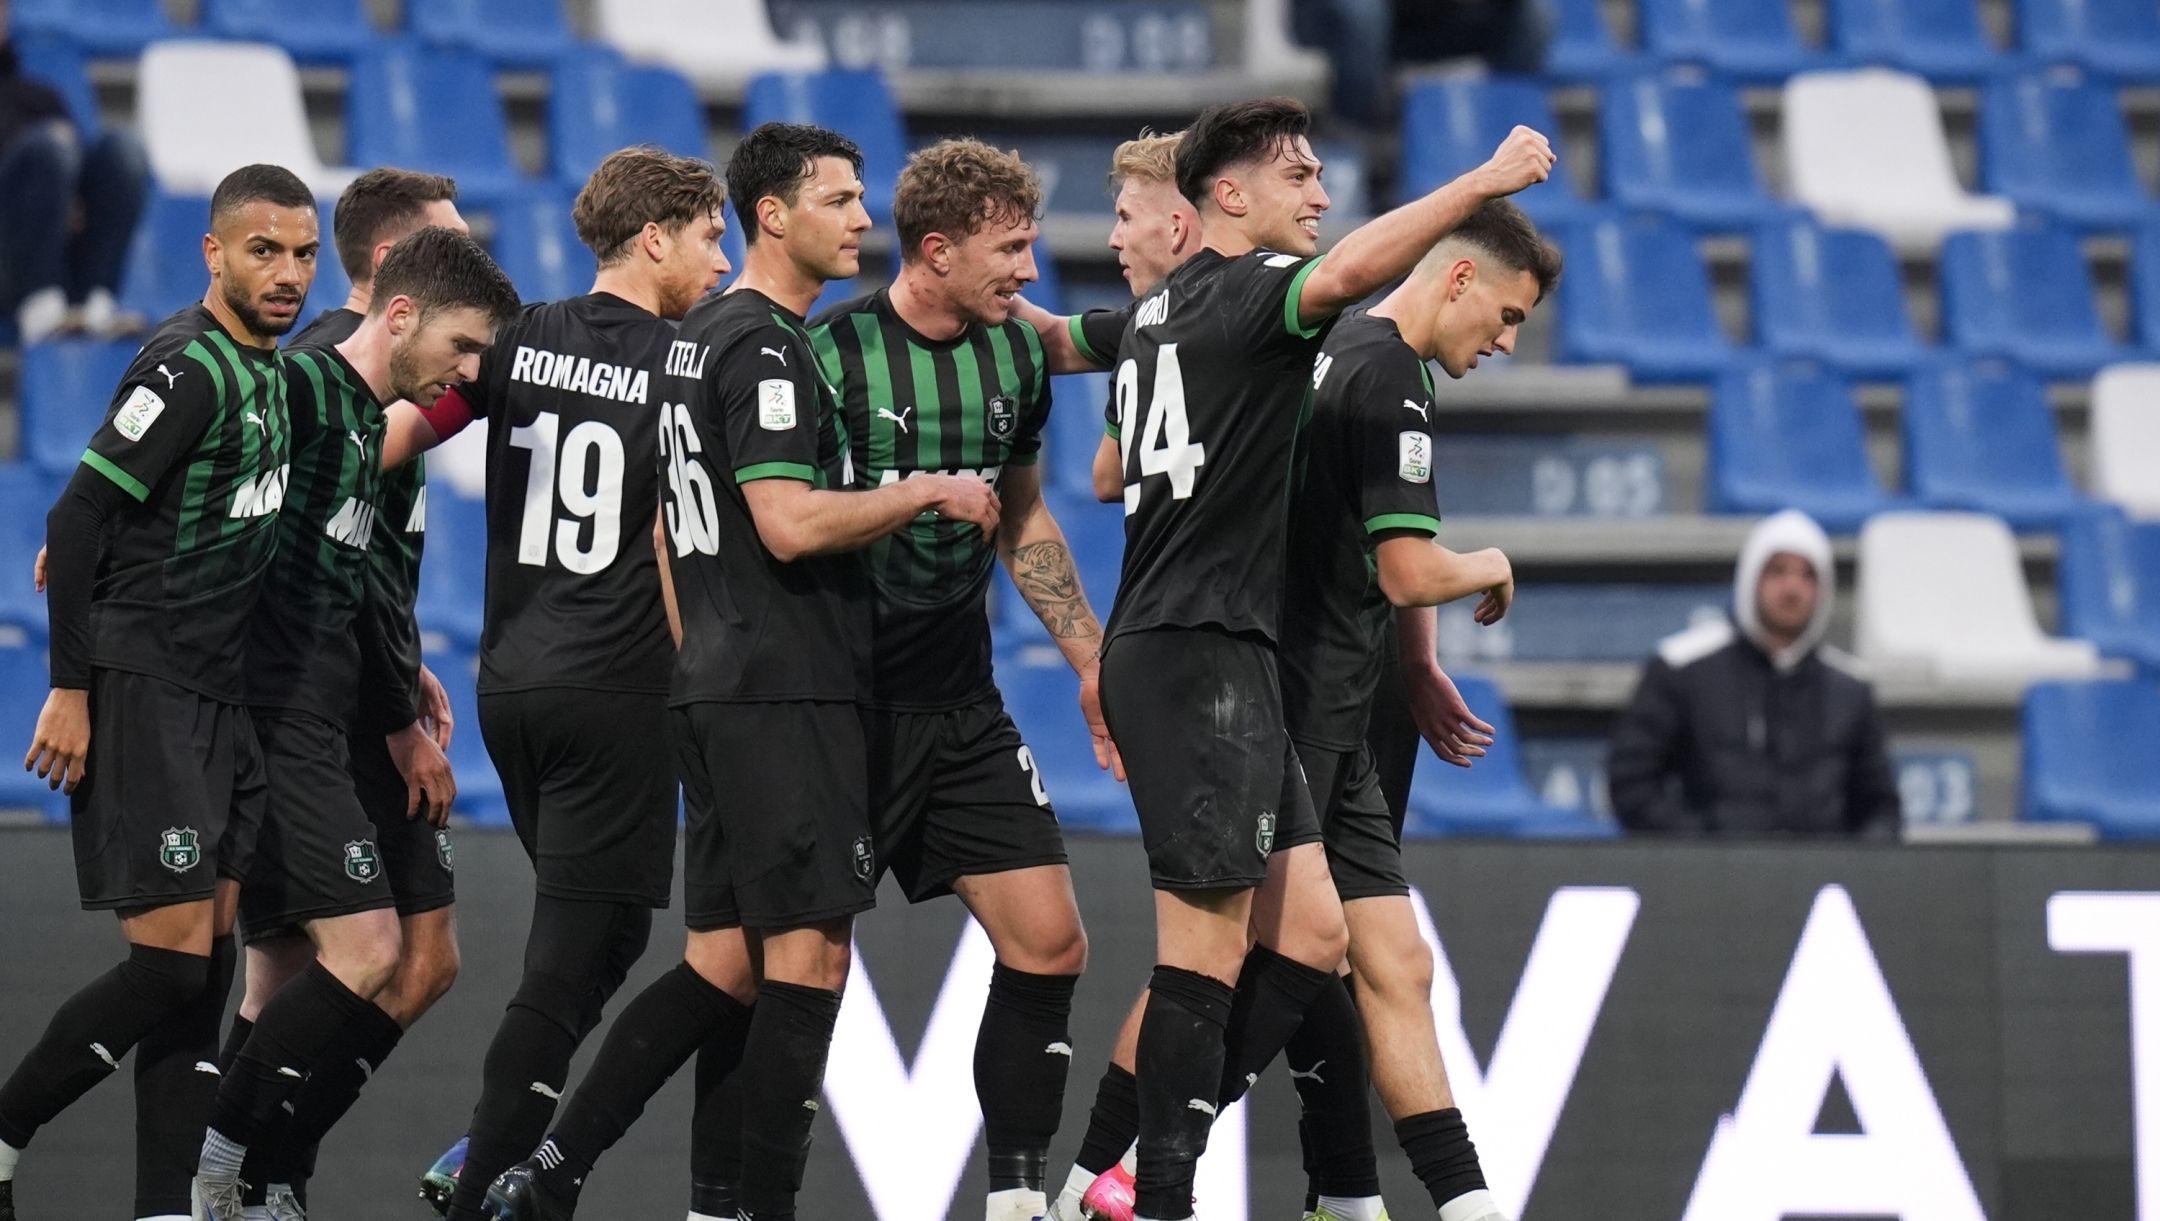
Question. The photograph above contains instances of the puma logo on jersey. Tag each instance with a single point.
(170, 376)
(262, 495)
(257, 421)
(686, 359)
(354, 523)
(1417, 408)
(359, 439)
(540, 367)
(779, 354)
(1154, 311)
(885, 413)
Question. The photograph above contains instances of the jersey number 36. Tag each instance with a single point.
(693, 514)
(1166, 444)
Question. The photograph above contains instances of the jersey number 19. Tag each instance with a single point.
(1166, 444)
(549, 473)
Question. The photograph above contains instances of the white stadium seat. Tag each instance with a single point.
(1943, 605)
(1866, 150)
(2126, 438)
(719, 44)
(207, 108)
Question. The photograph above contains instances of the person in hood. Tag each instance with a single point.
(1754, 726)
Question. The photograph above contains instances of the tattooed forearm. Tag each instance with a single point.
(1046, 577)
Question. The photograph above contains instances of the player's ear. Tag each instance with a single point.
(210, 248)
(772, 217)
(653, 240)
(937, 252)
(1229, 196)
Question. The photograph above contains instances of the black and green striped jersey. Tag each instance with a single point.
(303, 645)
(196, 436)
(1365, 471)
(971, 405)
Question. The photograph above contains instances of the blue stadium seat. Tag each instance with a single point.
(66, 386)
(2025, 294)
(1451, 126)
(854, 103)
(395, 115)
(1746, 38)
(101, 27)
(1043, 696)
(1938, 39)
(1834, 295)
(1048, 290)
(331, 286)
(480, 790)
(453, 573)
(1582, 45)
(526, 33)
(1491, 798)
(2144, 286)
(1980, 436)
(165, 263)
(2118, 37)
(1075, 170)
(538, 248)
(601, 103)
(2092, 755)
(57, 61)
(26, 493)
(2107, 582)
(2060, 147)
(1681, 146)
(1075, 433)
(1788, 435)
(311, 30)
(1637, 294)
(25, 680)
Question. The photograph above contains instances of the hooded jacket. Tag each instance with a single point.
(1726, 735)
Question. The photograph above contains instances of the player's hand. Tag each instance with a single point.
(1494, 605)
(1443, 719)
(435, 715)
(1106, 753)
(961, 498)
(429, 784)
(1524, 159)
(37, 573)
(62, 745)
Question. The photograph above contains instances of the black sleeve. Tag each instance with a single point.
(74, 542)
(767, 406)
(1393, 446)
(389, 691)
(1099, 333)
(156, 420)
(1873, 808)
(1642, 769)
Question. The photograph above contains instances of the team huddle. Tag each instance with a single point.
(738, 563)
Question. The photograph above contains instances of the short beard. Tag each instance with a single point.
(252, 318)
(406, 384)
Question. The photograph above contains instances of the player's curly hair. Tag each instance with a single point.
(1236, 133)
(439, 269)
(1501, 228)
(641, 186)
(380, 202)
(957, 187)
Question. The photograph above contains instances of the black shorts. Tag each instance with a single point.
(417, 855)
(590, 783)
(1392, 733)
(955, 794)
(317, 857)
(172, 798)
(1197, 715)
(1364, 839)
(779, 814)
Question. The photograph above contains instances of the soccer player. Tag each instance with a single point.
(436, 304)
(403, 723)
(155, 553)
(1212, 372)
(1362, 540)
(775, 641)
(575, 650)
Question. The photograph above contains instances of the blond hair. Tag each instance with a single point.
(1149, 158)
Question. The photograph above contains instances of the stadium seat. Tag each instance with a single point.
(25, 679)
(480, 791)
(1746, 38)
(1866, 149)
(537, 246)
(1604, 621)
(2107, 583)
(1451, 126)
(1532, 475)
(1943, 603)
(311, 30)
(26, 494)
(1680, 146)
(1637, 294)
(1075, 432)
(720, 44)
(165, 263)
(2092, 755)
(332, 286)
(401, 90)
(1833, 295)
(1788, 435)
(1048, 290)
(1582, 45)
(1043, 696)
(2144, 286)
(207, 108)
(1981, 436)
(453, 572)
(57, 61)
(600, 104)
(1491, 798)
(523, 33)
(1939, 39)
(2125, 438)
(2024, 294)
(854, 103)
(101, 27)
(66, 386)
(2118, 37)
(2061, 147)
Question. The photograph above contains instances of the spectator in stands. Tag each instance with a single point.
(67, 210)
(1753, 726)
(1508, 35)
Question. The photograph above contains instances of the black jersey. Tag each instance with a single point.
(971, 406)
(574, 391)
(196, 436)
(1365, 468)
(1212, 373)
(756, 630)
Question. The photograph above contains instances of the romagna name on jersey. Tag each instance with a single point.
(582, 374)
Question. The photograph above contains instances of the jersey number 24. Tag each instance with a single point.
(1166, 444)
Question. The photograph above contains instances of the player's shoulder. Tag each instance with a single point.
(189, 352)
(1367, 354)
(330, 328)
(866, 303)
(743, 323)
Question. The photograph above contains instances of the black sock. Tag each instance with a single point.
(331, 1089)
(1113, 1125)
(656, 1033)
(291, 1032)
(1441, 1154)
(236, 1038)
(783, 1071)
(1327, 1065)
(92, 1030)
(176, 1081)
(1179, 1067)
(1022, 1052)
(1273, 993)
(716, 1128)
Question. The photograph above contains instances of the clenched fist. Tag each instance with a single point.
(1524, 159)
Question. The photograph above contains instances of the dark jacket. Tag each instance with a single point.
(1718, 741)
(23, 102)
